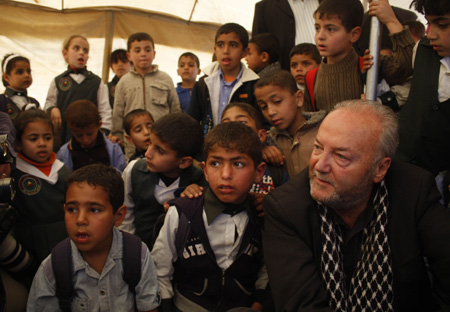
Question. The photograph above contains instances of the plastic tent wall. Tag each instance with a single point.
(37, 28)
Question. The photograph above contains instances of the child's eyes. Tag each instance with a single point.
(71, 209)
(95, 210)
(294, 65)
(48, 137)
(239, 164)
(262, 106)
(220, 45)
(85, 50)
(214, 163)
(233, 45)
(443, 26)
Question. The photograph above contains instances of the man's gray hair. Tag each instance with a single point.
(388, 142)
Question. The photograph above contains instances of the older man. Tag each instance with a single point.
(353, 233)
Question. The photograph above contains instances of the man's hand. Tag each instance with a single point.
(273, 155)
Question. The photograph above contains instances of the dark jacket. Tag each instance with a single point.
(424, 122)
(276, 17)
(418, 228)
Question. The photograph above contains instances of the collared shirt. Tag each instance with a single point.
(304, 21)
(98, 292)
(444, 80)
(225, 91)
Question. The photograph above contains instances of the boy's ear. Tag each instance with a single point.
(260, 169)
(262, 134)
(185, 162)
(205, 170)
(120, 214)
(199, 71)
(300, 98)
(128, 137)
(129, 57)
(265, 57)
(355, 34)
(64, 53)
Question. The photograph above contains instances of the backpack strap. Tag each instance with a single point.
(63, 270)
(310, 80)
(132, 249)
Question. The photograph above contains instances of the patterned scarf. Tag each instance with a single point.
(371, 283)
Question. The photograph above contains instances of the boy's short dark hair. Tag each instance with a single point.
(100, 175)
(350, 12)
(279, 78)
(431, 7)
(192, 55)
(307, 49)
(250, 110)
(139, 37)
(119, 55)
(133, 114)
(235, 136)
(268, 43)
(416, 28)
(82, 113)
(233, 28)
(182, 132)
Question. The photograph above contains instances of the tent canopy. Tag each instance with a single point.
(36, 29)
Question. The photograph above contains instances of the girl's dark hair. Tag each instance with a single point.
(431, 7)
(25, 117)
(8, 67)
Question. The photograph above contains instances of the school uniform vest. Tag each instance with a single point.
(8, 106)
(40, 210)
(146, 207)
(197, 275)
(424, 122)
(69, 91)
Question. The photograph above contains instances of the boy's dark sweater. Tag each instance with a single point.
(146, 208)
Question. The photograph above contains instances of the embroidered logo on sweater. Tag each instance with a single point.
(29, 185)
(65, 84)
(12, 110)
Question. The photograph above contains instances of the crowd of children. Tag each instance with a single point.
(175, 177)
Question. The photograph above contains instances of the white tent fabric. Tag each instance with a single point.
(36, 29)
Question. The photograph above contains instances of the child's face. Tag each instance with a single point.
(120, 68)
(254, 59)
(300, 64)
(332, 39)
(187, 68)
(86, 136)
(280, 107)
(439, 33)
(229, 52)
(20, 77)
(140, 129)
(142, 53)
(37, 141)
(231, 174)
(90, 219)
(239, 115)
(77, 54)
(161, 158)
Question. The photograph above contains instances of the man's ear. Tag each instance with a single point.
(260, 169)
(119, 216)
(185, 162)
(355, 34)
(381, 169)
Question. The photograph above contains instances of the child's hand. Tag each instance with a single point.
(384, 12)
(257, 199)
(192, 191)
(166, 206)
(367, 62)
(273, 155)
(55, 115)
(114, 139)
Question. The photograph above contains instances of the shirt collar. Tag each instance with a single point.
(214, 207)
(238, 77)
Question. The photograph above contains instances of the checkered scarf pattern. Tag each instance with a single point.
(371, 283)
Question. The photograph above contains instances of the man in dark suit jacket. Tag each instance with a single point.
(355, 229)
(276, 17)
